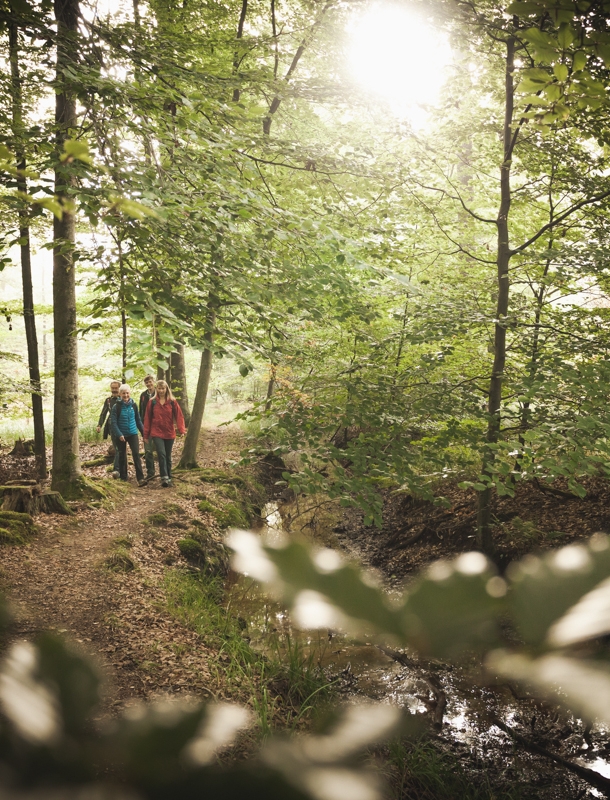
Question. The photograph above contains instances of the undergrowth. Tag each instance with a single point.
(285, 687)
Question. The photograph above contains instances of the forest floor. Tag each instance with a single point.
(60, 583)
(124, 619)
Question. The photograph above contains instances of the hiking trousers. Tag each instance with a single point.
(134, 446)
(164, 452)
(149, 458)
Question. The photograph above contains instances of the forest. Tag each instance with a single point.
(358, 250)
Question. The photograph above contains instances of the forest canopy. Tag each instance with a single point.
(420, 279)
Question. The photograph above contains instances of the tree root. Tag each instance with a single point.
(589, 775)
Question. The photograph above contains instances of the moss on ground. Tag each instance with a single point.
(233, 516)
(213, 475)
(157, 520)
(16, 528)
(201, 549)
(206, 507)
(123, 541)
(85, 488)
(174, 508)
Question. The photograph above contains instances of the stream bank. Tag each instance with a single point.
(494, 741)
(159, 626)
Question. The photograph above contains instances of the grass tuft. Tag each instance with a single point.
(419, 771)
(119, 561)
(285, 687)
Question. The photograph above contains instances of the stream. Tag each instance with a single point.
(457, 698)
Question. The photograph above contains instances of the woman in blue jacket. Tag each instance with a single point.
(125, 423)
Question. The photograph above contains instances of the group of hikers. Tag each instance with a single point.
(157, 417)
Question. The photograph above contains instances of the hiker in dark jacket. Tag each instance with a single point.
(163, 416)
(125, 423)
(105, 421)
(149, 447)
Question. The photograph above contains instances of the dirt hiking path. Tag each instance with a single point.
(59, 582)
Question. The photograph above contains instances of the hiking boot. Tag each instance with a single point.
(116, 475)
(165, 482)
(142, 483)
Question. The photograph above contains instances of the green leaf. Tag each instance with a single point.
(561, 72)
(453, 608)
(51, 205)
(579, 60)
(134, 209)
(320, 587)
(450, 610)
(603, 50)
(74, 148)
(587, 619)
(524, 9)
(543, 589)
(566, 35)
(243, 370)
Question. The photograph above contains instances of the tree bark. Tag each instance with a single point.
(270, 388)
(66, 460)
(189, 453)
(26, 260)
(179, 387)
(484, 537)
(236, 58)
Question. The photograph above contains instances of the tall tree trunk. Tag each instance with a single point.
(179, 388)
(236, 58)
(26, 260)
(122, 304)
(540, 297)
(484, 537)
(67, 476)
(189, 453)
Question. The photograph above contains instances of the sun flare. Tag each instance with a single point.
(398, 56)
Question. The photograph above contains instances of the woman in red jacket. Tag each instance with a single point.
(163, 416)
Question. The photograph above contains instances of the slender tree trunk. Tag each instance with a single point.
(67, 476)
(26, 261)
(122, 306)
(236, 58)
(270, 387)
(276, 54)
(189, 453)
(179, 388)
(539, 297)
(484, 536)
(277, 100)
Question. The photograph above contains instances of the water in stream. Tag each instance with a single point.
(359, 668)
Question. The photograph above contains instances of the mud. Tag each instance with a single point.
(478, 717)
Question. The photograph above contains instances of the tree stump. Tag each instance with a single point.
(53, 503)
(32, 500)
(24, 499)
(23, 447)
